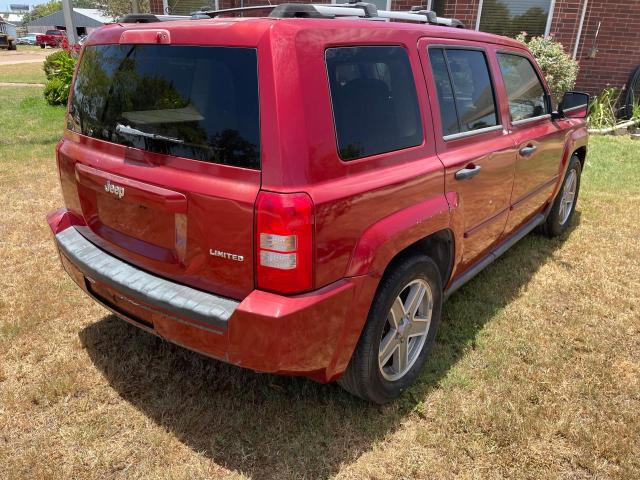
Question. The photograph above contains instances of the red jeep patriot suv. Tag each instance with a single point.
(299, 195)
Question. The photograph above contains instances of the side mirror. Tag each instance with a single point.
(573, 105)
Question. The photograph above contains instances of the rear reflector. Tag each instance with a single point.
(283, 261)
(284, 226)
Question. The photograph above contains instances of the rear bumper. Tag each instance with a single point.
(313, 334)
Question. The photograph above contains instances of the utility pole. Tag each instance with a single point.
(67, 10)
(134, 6)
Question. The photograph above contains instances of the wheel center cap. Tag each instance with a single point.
(402, 328)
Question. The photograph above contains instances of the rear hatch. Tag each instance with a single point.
(164, 160)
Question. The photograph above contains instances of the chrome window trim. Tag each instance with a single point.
(449, 46)
(577, 107)
(524, 121)
(456, 136)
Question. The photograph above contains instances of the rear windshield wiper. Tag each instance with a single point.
(127, 130)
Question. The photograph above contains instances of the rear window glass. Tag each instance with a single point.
(194, 102)
(374, 99)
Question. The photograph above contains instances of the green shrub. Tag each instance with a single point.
(59, 69)
(49, 65)
(56, 91)
(635, 112)
(602, 109)
(560, 70)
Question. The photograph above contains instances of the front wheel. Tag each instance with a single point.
(398, 333)
(564, 206)
(42, 45)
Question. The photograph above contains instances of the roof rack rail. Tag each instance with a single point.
(213, 13)
(353, 9)
(150, 18)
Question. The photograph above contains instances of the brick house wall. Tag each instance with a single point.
(156, 7)
(464, 10)
(617, 43)
(616, 48)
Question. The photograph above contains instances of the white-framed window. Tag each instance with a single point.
(437, 6)
(510, 17)
(380, 4)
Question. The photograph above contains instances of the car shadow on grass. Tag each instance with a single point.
(267, 426)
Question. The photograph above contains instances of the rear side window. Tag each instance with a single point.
(374, 100)
(194, 102)
(527, 98)
(465, 93)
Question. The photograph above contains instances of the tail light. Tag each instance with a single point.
(284, 243)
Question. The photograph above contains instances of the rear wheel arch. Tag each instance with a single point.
(364, 375)
(439, 246)
(581, 153)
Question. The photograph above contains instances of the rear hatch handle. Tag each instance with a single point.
(143, 193)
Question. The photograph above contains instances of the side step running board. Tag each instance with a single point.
(495, 253)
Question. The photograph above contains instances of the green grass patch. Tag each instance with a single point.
(22, 73)
(612, 164)
(28, 122)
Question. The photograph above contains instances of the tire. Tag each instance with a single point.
(559, 217)
(13, 46)
(365, 377)
(42, 45)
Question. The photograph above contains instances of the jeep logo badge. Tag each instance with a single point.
(117, 190)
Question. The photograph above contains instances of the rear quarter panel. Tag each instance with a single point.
(401, 191)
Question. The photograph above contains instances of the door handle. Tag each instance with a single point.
(528, 150)
(468, 172)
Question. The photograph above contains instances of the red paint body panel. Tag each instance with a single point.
(175, 210)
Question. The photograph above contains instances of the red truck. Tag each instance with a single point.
(52, 38)
(300, 195)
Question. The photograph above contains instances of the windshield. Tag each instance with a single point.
(194, 102)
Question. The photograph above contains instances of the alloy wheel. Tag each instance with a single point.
(568, 196)
(406, 329)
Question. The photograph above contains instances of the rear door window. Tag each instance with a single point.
(527, 98)
(195, 102)
(374, 100)
(464, 88)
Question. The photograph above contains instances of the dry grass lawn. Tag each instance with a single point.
(535, 373)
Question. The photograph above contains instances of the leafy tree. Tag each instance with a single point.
(119, 8)
(53, 6)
